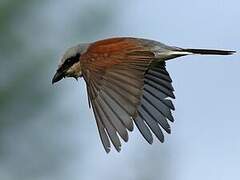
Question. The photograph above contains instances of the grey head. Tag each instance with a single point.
(69, 65)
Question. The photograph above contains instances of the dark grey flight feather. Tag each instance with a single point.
(122, 97)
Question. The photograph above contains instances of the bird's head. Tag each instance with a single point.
(69, 65)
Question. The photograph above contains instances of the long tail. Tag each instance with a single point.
(208, 51)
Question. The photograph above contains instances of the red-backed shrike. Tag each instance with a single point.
(127, 82)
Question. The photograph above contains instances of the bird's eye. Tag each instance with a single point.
(72, 60)
(78, 55)
(68, 60)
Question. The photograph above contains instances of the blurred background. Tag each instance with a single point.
(48, 133)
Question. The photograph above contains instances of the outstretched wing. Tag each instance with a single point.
(125, 83)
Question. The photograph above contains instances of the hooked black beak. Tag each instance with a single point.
(57, 77)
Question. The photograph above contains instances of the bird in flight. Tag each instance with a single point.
(127, 83)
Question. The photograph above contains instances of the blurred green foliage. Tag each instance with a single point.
(39, 139)
(30, 41)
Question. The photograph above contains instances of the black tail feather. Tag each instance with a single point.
(209, 51)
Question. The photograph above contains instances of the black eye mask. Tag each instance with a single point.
(69, 62)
